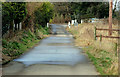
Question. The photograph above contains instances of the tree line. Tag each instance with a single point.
(33, 15)
(16, 13)
(84, 10)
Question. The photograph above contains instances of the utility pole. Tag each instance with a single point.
(110, 17)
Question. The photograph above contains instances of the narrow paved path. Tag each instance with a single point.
(55, 55)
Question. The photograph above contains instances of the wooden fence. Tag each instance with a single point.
(101, 36)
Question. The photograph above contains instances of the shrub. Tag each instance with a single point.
(43, 14)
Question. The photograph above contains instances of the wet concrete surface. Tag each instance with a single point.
(53, 55)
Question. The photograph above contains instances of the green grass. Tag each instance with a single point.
(103, 54)
(100, 59)
(14, 48)
(44, 30)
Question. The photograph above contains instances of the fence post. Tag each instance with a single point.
(116, 49)
(95, 34)
(100, 37)
(47, 25)
(110, 17)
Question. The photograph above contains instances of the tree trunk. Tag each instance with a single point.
(31, 25)
(11, 29)
(115, 6)
(23, 25)
(11, 25)
(15, 26)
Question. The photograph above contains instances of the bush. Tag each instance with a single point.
(12, 11)
(4, 42)
(43, 14)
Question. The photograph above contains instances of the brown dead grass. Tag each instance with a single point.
(84, 36)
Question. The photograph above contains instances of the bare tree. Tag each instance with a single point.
(115, 6)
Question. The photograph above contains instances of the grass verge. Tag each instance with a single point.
(105, 62)
(103, 53)
(20, 43)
